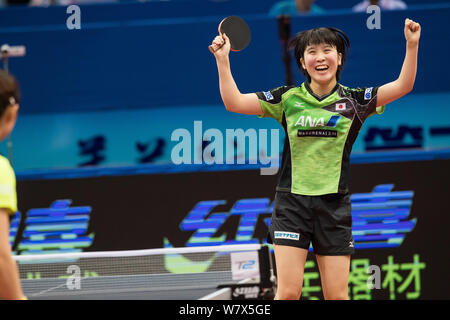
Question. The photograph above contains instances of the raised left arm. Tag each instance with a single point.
(405, 82)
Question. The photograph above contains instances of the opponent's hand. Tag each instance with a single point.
(412, 31)
(221, 46)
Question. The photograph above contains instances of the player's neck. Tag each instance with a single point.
(322, 89)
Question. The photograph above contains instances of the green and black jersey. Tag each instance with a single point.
(320, 132)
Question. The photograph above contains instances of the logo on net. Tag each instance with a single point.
(248, 292)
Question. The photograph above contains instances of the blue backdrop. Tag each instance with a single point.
(136, 72)
(126, 56)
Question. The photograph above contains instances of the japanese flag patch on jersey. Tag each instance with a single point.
(340, 106)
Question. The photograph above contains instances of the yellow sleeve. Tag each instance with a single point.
(8, 196)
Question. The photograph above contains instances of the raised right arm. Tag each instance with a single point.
(232, 98)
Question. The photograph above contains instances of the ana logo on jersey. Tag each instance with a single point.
(309, 121)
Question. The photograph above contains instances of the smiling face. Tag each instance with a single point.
(321, 62)
(320, 53)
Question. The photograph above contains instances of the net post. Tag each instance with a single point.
(264, 267)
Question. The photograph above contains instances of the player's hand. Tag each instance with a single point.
(223, 41)
(412, 31)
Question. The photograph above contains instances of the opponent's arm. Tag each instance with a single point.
(9, 276)
(232, 98)
(405, 82)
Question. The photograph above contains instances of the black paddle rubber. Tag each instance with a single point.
(237, 31)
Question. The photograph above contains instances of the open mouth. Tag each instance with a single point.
(321, 68)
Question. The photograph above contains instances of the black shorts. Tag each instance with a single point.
(325, 221)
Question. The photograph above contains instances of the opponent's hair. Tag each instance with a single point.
(9, 91)
(332, 36)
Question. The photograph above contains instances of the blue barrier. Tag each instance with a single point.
(77, 173)
(136, 10)
(130, 137)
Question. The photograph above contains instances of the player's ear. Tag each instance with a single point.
(339, 59)
(303, 63)
(8, 120)
(11, 113)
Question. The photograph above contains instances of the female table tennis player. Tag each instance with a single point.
(321, 119)
(9, 107)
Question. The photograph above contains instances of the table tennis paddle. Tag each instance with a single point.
(236, 30)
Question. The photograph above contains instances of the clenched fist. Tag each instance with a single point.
(412, 31)
(221, 46)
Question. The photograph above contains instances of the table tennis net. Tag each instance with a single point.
(170, 273)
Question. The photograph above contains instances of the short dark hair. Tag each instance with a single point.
(332, 36)
(9, 91)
